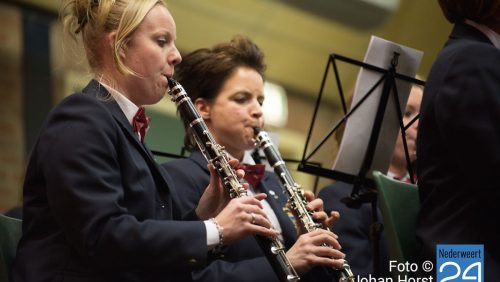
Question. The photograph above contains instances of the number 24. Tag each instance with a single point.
(465, 275)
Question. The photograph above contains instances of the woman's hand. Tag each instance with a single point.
(244, 216)
(238, 217)
(216, 197)
(317, 248)
(319, 215)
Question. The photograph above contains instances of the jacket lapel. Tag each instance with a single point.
(103, 94)
(277, 200)
(199, 159)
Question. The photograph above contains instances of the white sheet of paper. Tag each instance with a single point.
(359, 125)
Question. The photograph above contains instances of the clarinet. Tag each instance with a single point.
(215, 155)
(295, 193)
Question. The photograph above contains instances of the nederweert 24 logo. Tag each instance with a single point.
(457, 263)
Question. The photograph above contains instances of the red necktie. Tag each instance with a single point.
(253, 173)
(140, 122)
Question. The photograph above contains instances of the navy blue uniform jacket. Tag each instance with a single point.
(243, 260)
(96, 205)
(459, 148)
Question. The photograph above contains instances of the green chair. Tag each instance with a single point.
(10, 233)
(399, 204)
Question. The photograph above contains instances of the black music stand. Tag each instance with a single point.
(363, 187)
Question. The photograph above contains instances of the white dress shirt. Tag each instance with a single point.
(247, 159)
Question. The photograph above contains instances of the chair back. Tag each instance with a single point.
(399, 204)
(10, 233)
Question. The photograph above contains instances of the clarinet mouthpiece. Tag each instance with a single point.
(171, 82)
(256, 131)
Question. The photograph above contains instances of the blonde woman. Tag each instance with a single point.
(96, 205)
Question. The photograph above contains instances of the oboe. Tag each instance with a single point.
(294, 192)
(215, 155)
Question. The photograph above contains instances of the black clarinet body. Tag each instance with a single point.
(294, 193)
(215, 155)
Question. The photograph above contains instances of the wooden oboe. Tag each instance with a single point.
(295, 193)
(215, 155)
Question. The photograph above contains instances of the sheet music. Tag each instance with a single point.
(359, 125)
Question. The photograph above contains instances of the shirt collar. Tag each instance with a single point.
(394, 176)
(127, 107)
(247, 158)
(492, 35)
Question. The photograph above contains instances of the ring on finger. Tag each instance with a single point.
(253, 218)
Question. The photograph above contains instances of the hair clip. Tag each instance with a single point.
(82, 21)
